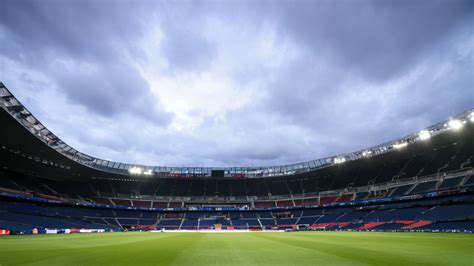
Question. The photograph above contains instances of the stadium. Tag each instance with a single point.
(419, 183)
(240, 132)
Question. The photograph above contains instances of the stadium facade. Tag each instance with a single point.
(421, 182)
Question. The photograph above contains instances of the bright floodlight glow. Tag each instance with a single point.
(455, 124)
(424, 135)
(400, 145)
(471, 117)
(339, 160)
(135, 170)
(366, 153)
(148, 172)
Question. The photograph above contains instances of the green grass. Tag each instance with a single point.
(301, 248)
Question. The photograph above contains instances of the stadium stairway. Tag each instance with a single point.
(417, 224)
(371, 225)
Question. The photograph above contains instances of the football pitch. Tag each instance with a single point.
(297, 248)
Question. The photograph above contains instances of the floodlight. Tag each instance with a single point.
(424, 135)
(400, 145)
(339, 160)
(455, 124)
(135, 170)
(471, 116)
(366, 153)
(148, 172)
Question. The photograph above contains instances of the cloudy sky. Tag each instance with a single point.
(218, 83)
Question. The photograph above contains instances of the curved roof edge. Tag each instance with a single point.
(16, 109)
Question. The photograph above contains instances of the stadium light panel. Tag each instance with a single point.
(400, 145)
(424, 135)
(148, 172)
(339, 160)
(455, 124)
(135, 170)
(471, 117)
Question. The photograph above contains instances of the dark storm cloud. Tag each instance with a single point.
(374, 42)
(80, 47)
(377, 39)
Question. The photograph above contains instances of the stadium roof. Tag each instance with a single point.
(16, 109)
